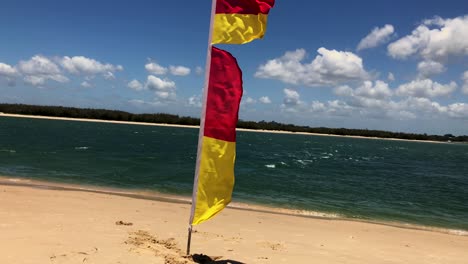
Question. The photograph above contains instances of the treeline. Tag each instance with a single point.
(349, 132)
(103, 114)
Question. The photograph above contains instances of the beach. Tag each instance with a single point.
(188, 126)
(40, 223)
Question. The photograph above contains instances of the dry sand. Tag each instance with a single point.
(186, 126)
(43, 225)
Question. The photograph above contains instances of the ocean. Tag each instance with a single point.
(399, 182)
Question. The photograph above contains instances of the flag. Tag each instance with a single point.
(217, 151)
(240, 21)
(233, 22)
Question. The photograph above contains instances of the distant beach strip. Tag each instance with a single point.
(188, 126)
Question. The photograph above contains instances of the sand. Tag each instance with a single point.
(196, 127)
(43, 225)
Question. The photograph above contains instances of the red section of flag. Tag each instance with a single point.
(253, 7)
(224, 96)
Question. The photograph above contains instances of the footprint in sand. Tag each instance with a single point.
(272, 245)
(235, 239)
(74, 257)
(142, 241)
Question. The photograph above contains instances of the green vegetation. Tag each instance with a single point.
(103, 114)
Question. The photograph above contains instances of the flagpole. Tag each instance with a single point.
(202, 125)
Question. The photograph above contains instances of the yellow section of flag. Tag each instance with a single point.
(216, 178)
(238, 28)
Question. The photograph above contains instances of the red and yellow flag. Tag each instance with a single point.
(234, 22)
(240, 21)
(218, 149)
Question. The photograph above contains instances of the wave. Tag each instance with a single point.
(81, 148)
(8, 150)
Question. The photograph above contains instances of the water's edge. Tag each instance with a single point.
(168, 198)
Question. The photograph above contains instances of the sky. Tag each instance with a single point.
(388, 65)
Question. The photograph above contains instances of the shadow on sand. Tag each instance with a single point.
(204, 259)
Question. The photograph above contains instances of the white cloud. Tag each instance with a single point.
(249, 100)
(179, 70)
(369, 99)
(344, 90)
(429, 108)
(391, 77)
(330, 108)
(155, 83)
(465, 82)
(195, 101)
(448, 37)
(291, 97)
(143, 103)
(458, 110)
(317, 107)
(40, 69)
(6, 70)
(86, 84)
(426, 88)
(164, 88)
(377, 37)
(198, 70)
(377, 90)
(421, 105)
(165, 94)
(429, 68)
(264, 100)
(38, 65)
(409, 108)
(155, 68)
(339, 108)
(108, 76)
(374, 100)
(135, 85)
(292, 102)
(81, 65)
(34, 80)
(330, 67)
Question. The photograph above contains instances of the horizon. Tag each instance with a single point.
(242, 120)
(399, 66)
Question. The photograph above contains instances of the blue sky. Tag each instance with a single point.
(393, 65)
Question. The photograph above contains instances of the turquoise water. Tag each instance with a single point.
(377, 180)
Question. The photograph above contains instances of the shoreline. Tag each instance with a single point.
(186, 200)
(196, 127)
(44, 225)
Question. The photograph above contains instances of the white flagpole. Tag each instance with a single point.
(202, 125)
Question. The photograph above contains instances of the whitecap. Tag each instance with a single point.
(270, 166)
(318, 214)
(81, 148)
(459, 232)
(305, 162)
(8, 150)
(17, 180)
